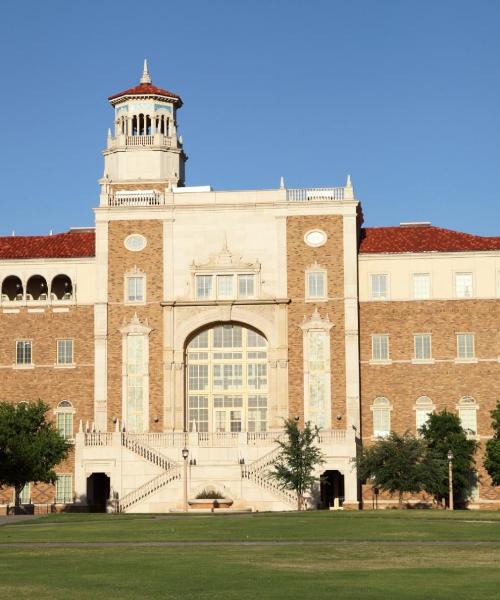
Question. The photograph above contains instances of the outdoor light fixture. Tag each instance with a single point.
(185, 454)
(450, 480)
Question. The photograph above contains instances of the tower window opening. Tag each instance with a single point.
(134, 125)
(148, 125)
(141, 124)
(162, 125)
(167, 128)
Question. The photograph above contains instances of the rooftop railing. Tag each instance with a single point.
(311, 194)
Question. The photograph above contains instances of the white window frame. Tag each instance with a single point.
(24, 365)
(379, 297)
(456, 275)
(415, 277)
(423, 404)
(381, 403)
(220, 292)
(472, 358)
(67, 497)
(239, 277)
(380, 361)
(427, 359)
(467, 404)
(59, 363)
(65, 407)
(139, 275)
(212, 292)
(316, 270)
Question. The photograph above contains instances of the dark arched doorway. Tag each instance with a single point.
(98, 488)
(332, 489)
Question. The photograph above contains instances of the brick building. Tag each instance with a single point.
(199, 319)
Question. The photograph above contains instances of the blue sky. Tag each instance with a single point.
(404, 96)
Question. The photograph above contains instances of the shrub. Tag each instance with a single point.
(209, 495)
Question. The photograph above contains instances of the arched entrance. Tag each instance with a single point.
(98, 489)
(332, 489)
(226, 380)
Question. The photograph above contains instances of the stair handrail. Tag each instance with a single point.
(148, 488)
(147, 452)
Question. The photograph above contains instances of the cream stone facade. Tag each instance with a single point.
(198, 319)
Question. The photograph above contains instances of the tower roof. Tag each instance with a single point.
(146, 88)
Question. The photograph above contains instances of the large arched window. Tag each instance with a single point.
(12, 289)
(226, 382)
(467, 411)
(423, 408)
(36, 288)
(64, 417)
(61, 288)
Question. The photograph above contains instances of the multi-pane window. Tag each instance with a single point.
(379, 286)
(381, 417)
(64, 489)
(198, 413)
(423, 346)
(23, 352)
(257, 413)
(465, 345)
(318, 394)
(316, 284)
(380, 347)
(463, 285)
(64, 418)
(246, 286)
(228, 363)
(421, 286)
(135, 382)
(467, 411)
(64, 352)
(204, 286)
(423, 409)
(135, 289)
(225, 286)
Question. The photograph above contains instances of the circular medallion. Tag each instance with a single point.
(135, 242)
(315, 238)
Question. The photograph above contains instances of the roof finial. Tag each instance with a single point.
(146, 77)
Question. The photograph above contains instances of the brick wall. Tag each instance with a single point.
(299, 257)
(150, 262)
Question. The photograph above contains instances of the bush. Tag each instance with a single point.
(209, 495)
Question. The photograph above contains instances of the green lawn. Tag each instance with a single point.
(379, 555)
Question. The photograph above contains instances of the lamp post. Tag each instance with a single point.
(185, 454)
(450, 480)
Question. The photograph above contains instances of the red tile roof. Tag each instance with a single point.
(72, 244)
(422, 238)
(147, 89)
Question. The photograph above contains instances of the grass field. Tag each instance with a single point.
(319, 555)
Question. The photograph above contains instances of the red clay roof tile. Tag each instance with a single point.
(420, 238)
(72, 244)
(147, 89)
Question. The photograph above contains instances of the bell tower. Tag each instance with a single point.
(144, 150)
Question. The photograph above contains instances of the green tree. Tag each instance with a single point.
(492, 456)
(443, 432)
(30, 447)
(294, 466)
(400, 464)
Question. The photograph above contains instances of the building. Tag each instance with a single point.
(197, 318)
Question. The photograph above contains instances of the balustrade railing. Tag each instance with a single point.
(310, 194)
(98, 438)
(218, 440)
(149, 488)
(145, 451)
(259, 472)
(152, 198)
(263, 438)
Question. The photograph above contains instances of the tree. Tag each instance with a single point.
(30, 447)
(294, 466)
(492, 456)
(400, 464)
(443, 432)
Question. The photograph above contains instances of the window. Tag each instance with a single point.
(423, 346)
(64, 352)
(465, 345)
(463, 285)
(381, 417)
(227, 380)
(135, 383)
(379, 286)
(135, 289)
(257, 413)
(467, 411)
(64, 489)
(25, 495)
(421, 286)
(423, 409)
(380, 347)
(316, 284)
(64, 418)
(225, 286)
(203, 286)
(246, 286)
(23, 352)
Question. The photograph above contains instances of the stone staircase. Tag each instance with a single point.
(258, 473)
(172, 472)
